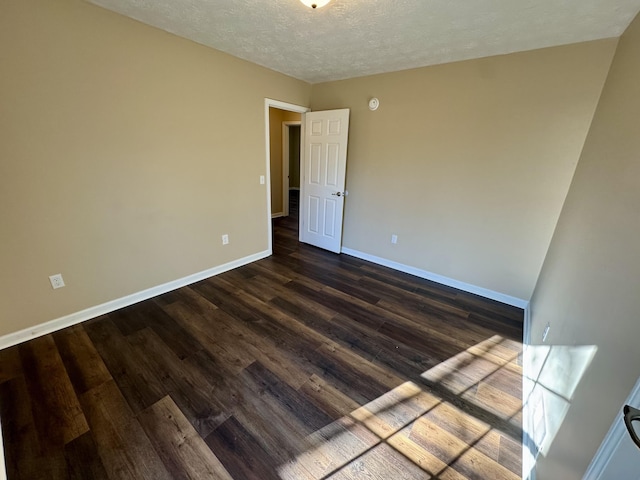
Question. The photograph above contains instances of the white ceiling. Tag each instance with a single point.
(352, 38)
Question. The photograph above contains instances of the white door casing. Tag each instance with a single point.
(618, 456)
(323, 172)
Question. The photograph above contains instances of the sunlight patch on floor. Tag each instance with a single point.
(411, 433)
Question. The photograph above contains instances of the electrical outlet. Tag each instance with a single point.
(225, 239)
(545, 332)
(394, 239)
(56, 281)
(261, 179)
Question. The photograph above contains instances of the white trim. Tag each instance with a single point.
(467, 287)
(290, 107)
(612, 440)
(268, 102)
(528, 443)
(526, 326)
(303, 147)
(92, 312)
(3, 464)
(278, 215)
(286, 134)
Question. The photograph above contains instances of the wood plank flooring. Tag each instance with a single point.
(304, 365)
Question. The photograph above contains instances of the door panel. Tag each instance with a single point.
(314, 214)
(324, 166)
(330, 208)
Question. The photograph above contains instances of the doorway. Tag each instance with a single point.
(286, 225)
(277, 113)
(322, 193)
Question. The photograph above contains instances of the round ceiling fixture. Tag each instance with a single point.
(374, 103)
(315, 3)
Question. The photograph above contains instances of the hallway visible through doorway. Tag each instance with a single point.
(285, 229)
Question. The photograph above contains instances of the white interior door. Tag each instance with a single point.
(323, 171)
(618, 457)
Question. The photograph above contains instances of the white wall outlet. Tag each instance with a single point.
(225, 239)
(56, 281)
(394, 239)
(545, 332)
(261, 179)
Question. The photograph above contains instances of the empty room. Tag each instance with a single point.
(319, 240)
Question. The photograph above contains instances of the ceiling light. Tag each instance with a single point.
(315, 3)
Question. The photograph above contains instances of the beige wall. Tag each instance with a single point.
(125, 153)
(468, 163)
(276, 117)
(588, 287)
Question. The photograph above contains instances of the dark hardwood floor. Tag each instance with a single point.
(304, 365)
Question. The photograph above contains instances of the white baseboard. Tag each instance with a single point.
(450, 282)
(92, 312)
(277, 215)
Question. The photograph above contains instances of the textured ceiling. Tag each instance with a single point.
(351, 38)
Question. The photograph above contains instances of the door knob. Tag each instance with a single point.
(632, 415)
(340, 194)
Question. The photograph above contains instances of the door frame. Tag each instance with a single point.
(291, 107)
(615, 436)
(286, 131)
